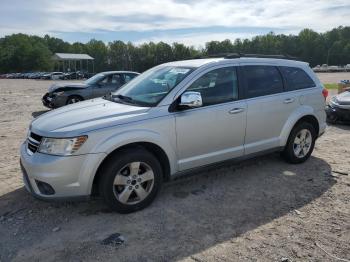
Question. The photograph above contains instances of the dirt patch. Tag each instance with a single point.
(262, 209)
(328, 78)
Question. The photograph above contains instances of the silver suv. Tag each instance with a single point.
(172, 118)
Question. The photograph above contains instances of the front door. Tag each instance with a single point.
(108, 84)
(215, 131)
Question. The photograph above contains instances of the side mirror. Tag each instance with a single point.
(191, 99)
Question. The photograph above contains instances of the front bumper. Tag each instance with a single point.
(47, 100)
(69, 176)
(52, 101)
(340, 113)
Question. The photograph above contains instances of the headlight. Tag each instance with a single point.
(61, 146)
(334, 100)
(58, 93)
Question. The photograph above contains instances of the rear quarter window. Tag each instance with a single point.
(128, 77)
(296, 78)
(262, 80)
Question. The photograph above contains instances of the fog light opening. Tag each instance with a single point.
(45, 188)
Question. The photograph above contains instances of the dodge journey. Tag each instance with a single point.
(173, 118)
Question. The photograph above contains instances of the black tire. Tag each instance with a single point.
(289, 153)
(332, 118)
(113, 166)
(74, 99)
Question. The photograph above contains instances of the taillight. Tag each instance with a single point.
(325, 93)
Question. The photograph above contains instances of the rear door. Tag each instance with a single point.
(268, 106)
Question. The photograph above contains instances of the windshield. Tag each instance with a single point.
(149, 88)
(94, 79)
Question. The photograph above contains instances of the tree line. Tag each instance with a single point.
(25, 53)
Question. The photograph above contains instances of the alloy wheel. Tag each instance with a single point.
(302, 143)
(73, 100)
(133, 183)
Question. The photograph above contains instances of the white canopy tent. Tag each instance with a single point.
(68, 62)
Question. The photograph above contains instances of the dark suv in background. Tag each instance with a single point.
(60, 94)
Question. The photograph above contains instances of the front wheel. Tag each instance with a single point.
(300, 143)
(130, 180)
(332, 118)
(73, 100)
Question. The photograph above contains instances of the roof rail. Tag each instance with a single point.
(268, 56)
(239, 55)
(225, 55)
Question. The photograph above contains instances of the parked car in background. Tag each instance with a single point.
(60, 94)
(37, 75)
(317, 68)
(171, 119)
(52, 76)
(338, 108)
(72, 75)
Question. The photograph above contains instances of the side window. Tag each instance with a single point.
(217, 86)
(128, 77)
(116, 79)
(105, 80)
(296, 78)
(262, 80)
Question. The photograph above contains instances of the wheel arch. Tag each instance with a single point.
(311, 119)
(298, 117)
(75, 95)
(153, 148)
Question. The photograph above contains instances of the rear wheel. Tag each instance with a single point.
(300, 143)
(73, 100)
(131, 180)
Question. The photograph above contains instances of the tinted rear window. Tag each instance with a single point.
(262, 80)
(296, 78)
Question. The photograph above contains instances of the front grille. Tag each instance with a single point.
(33, 142)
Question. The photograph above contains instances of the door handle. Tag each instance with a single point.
(236, 110)
(288, 100)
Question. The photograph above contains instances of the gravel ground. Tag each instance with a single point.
(329, 78)
(262, 209)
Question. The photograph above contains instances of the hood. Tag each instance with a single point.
(343, 98)
(66, 86)
(79, 118)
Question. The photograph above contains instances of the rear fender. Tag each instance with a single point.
(293, 119)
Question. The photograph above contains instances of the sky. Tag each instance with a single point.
(191, 22)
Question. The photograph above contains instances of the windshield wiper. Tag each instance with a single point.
(125, 100)
(121, 97)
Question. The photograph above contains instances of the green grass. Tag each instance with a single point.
(331, 86)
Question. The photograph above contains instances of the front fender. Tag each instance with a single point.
(293, 119)
(115, 141)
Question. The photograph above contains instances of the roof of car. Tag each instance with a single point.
(119, 72)
(201, 62)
